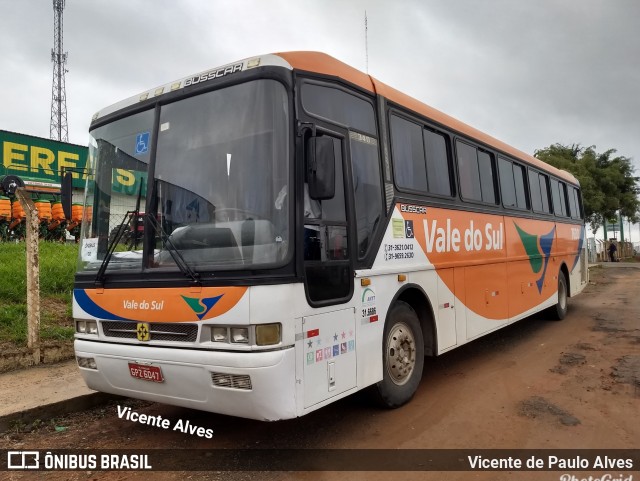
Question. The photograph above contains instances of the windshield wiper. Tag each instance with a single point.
(184, 267)
(111, 247)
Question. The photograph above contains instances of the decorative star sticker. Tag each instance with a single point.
(310, 344)
(335, 337)
(344, 335)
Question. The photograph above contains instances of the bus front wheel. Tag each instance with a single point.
(402, 356)
(559, 311)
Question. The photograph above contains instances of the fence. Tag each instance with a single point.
(599, 250)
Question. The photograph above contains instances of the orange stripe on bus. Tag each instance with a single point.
(166, 304)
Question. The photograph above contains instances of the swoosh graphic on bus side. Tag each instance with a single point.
(530, 243)
(90, 307)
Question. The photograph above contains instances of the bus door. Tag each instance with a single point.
(329, 337)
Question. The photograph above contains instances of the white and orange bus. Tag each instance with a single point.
(275, 234)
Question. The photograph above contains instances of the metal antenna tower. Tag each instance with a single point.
(59, 130)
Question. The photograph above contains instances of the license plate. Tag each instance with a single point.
(146, 373)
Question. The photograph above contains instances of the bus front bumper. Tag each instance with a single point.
(191, 378)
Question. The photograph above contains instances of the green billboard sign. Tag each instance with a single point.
(41, 160)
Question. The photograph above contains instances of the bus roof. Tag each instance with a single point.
(322, 63)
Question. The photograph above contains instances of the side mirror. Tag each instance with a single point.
(66, 193)
(321, 168)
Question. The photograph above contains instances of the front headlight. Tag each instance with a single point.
(87, 327)
(257, 335)
(219, 334)
(240, 335)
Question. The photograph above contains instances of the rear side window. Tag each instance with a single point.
(576, 204)
(538, 187)
(512, 186)
(476, 170)
(559, 195)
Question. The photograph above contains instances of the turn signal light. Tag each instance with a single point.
(268, 334)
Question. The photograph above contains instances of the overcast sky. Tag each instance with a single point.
(531, 73)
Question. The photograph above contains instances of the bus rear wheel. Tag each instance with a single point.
(402, 356)
(559, 311)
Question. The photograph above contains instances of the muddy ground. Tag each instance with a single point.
(536, 384)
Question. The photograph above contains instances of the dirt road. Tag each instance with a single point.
(536, 384)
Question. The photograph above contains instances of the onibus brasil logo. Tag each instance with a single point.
(538, 252)
(201, 306)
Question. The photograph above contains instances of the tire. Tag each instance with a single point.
(559, 311)
(402, 356)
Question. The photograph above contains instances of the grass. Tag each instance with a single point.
(57, 267)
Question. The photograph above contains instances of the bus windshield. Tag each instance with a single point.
(219, 188)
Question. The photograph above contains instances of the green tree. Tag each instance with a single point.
(607, 181)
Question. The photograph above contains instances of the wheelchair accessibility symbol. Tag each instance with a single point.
(142, 143)
(408, 229)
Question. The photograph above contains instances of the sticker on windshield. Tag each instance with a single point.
(142, 143)
(89, 250)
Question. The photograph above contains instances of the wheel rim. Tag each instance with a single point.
(562, 295)
(400, 357)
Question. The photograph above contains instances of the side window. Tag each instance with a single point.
(408, 154)
(468, 170)
(559, 206)
(325, 243)
(539, 188)
(333, 209)
(507, 186)
(562, 189)
(420, 159)
(573, 206)
(338, 106)
(556, 197)
(576, 212)
(367, 188)
(534, 189)
(476, 171)
(438, 171)
(354, 113)
(485, 164)
(521, 192)
(544, 192)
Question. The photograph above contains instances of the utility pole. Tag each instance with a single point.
(33, 273)
(58, 129)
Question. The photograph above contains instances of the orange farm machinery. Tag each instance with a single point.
(53, 223)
